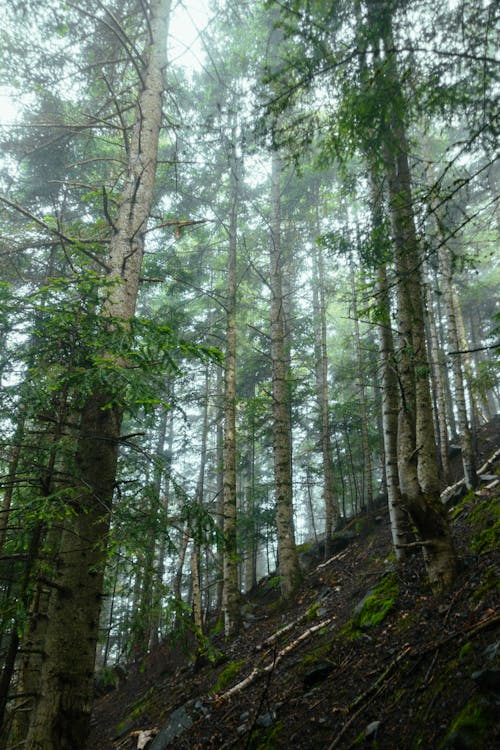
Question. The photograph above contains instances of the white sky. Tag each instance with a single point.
(189, 18)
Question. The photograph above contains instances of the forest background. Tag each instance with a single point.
(240, 303)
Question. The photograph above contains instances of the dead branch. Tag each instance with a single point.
(279, 633)
(260, 672)
(338, 556)
(450, 491)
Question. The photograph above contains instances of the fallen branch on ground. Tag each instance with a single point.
(259, 672)
(450, 491)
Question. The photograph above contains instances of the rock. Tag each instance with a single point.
(178, 722)
(487, 680)
(266, 720)
(317, 674)
(492, 652)
(372, 729)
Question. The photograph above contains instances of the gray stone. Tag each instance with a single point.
(372, 729)
(492, 652)
(487, 680)
(178, 722)
(266, 720)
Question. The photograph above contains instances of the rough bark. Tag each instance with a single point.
(465, 434)
(330, 501)
(367, 458)
(417, 460)
(390, 411)
(435, 356)
(231, 592)
(289, 568)
(61, 717)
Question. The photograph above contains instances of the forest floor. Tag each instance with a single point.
(364, 656)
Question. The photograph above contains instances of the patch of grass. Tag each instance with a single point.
(312, 612)
(227, 675)
(304, 547)
(274, 582)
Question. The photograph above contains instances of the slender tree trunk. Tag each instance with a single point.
(231, 592)
(289, 568)
(437, 379)
(61, 717)
(367, 458)
(465, 434)
(390, 410)
(332, 511)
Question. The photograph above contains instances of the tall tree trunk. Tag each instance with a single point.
(390, 410)
(367, 458)
(231, 592)
(331, 505)
(287, 553)
(61, 717)
(417, 461)
(465, 434)
(437, 378)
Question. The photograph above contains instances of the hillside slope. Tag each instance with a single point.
(364, 656)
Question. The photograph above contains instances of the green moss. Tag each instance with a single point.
(139, 708)
(470, 726)
(320, 653)
(274, 582)
(312, 612)
(486, 518)
(266, 739)
(490, 582)
(377, 606)
(227, 675)
(465, 651)
(304, 547)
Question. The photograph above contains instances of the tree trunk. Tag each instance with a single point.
(390, 410)
(437, 379)
(332, 512)
(231, 592)
(61, 717)
(289, 569)
(417, 461)
(367, 458)
(465, 434)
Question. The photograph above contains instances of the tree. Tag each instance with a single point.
(63, 697)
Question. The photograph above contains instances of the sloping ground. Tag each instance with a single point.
(365, 656)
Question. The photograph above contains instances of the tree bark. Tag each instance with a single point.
(61, 717)
(231, 592)
(465, 434)
(289, 568)
(417, 460)
(330, 501)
